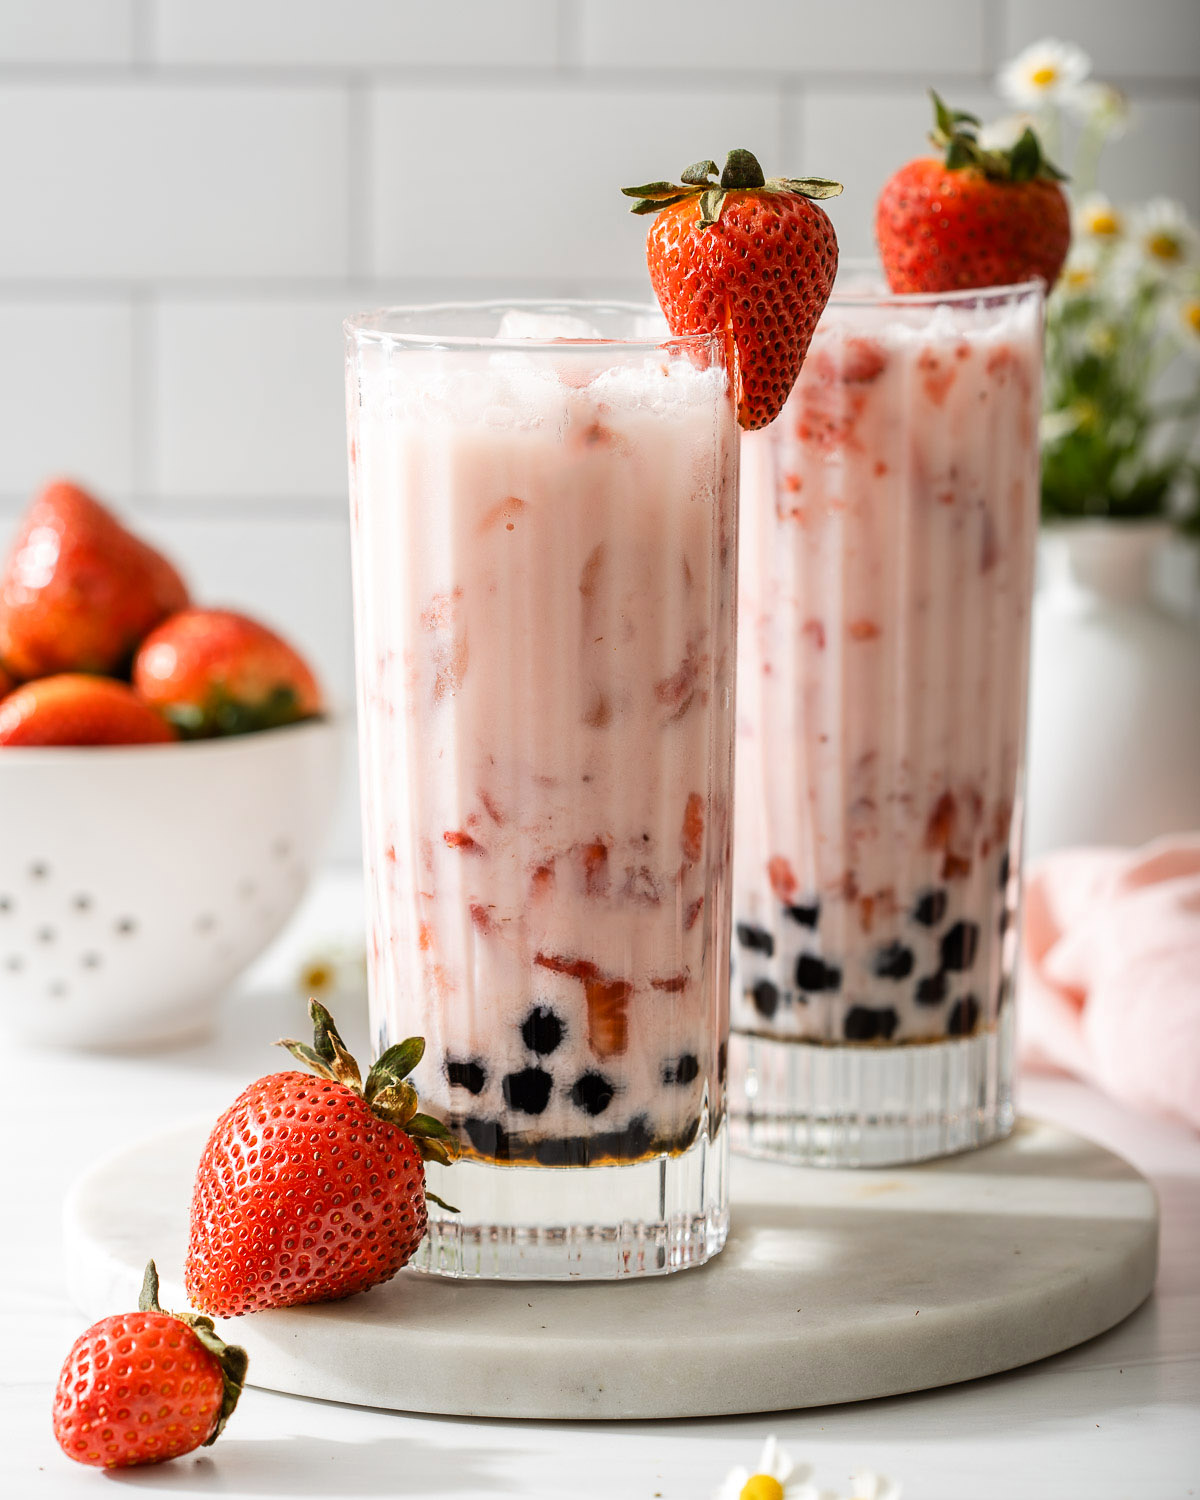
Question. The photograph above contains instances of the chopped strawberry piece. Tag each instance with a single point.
(641, 886)
(863, 362)
(504, 512)
(456, 838)
(815, 632)
(672, 984)
(595, 868)
(792, 482)
(425, 937)
(576, 968)
(543, 879)
(481, 917)
(598, 713)
(608, 1024)
(955, 866)
(781, 876)
(489, 806)
(691, 915)
(864, 630)
(678, 690)
(939, 831)
(692, 837)
(937, 378)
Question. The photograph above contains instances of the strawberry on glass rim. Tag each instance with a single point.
(975, 217)
(751, 256)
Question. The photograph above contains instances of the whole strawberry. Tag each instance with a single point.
(214, 672)
(79, 591)
(72, 709)
(312, 1189)
(973, 217)
(142, 1387)
(749, 257)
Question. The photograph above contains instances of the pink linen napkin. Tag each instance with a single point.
(1110, 972)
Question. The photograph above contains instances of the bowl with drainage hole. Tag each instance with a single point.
(137, 883)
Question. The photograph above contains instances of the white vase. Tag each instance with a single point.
(1114, 714)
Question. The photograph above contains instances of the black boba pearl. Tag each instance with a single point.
(488, 1137)
(541, 1031)
(865, 1023)
(814, 974)
(757, 939)
(807, 914)
(528, 1090)
(930, 908)
(766, 998)
(960, 945)
(592, 1093)
(684, 1070)
(466, 1075)
(894, 961)
(963, 1017)
(722, 1062)
(931, 989)
(1005, 868)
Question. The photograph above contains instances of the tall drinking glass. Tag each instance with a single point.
(544, 512)
(888, 525)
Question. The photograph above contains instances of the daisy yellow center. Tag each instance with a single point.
(1164, 246)
(1078, 277)
(761, 1487)
(1191, 315)
(316, 977)
(1104, 223)
(1044, 76)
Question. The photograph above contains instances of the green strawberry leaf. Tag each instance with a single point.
(303, 1053)
(699, 173)
(653, 190)
(394, 1065)
(813, 187)
(441, 1202)
(711, 202)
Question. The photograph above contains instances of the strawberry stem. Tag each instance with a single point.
(956, 133)
(742, 173)
(387, 1091)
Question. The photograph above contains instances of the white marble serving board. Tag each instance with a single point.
(835, 1286)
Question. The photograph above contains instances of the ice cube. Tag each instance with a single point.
(524, 323)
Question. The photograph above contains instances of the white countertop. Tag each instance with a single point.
(1117, 1417)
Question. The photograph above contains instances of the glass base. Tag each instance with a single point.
(870, 1106)
(579, 1223)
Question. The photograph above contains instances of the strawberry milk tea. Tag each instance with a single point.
(544, 509)
(888, 524)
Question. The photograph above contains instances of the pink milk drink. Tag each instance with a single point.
(888, 524)
(544, 507)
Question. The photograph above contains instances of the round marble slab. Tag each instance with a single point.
(834, 1286)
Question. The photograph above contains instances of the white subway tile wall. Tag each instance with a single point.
(196, 192)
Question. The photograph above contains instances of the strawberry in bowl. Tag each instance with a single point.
(79, 592)
(140, 874)
(211, 672)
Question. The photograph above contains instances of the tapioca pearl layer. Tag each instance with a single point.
(930, 979)
(541, 1079)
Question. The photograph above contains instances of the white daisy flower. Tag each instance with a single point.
(1045, 73)
(334, 968)
(871, 1486)
(1101, 105)
(1081, 273)
(775, 1478)
(1097, 218)
(1004, 133)
(1164, 234)
(1185, 321)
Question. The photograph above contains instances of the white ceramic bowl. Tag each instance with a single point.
(136, 883)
